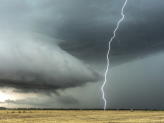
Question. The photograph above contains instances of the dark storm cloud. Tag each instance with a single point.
(31, 64)
(31, 58)
(88, 29)
(86, 26)
(40, 42)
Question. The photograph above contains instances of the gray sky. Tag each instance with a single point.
(53, 53)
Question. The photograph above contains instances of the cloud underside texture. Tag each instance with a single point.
(31, 64)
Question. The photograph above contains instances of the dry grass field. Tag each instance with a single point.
(80, 116)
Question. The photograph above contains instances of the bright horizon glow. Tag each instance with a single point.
(5, 96)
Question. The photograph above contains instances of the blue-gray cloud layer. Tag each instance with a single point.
(31, 59)
(42, 42)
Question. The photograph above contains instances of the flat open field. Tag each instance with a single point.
(80, 116)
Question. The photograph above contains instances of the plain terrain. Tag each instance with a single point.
(80, 116)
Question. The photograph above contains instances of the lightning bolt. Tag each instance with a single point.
(109, 48)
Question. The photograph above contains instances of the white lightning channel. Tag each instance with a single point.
(107, 56)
